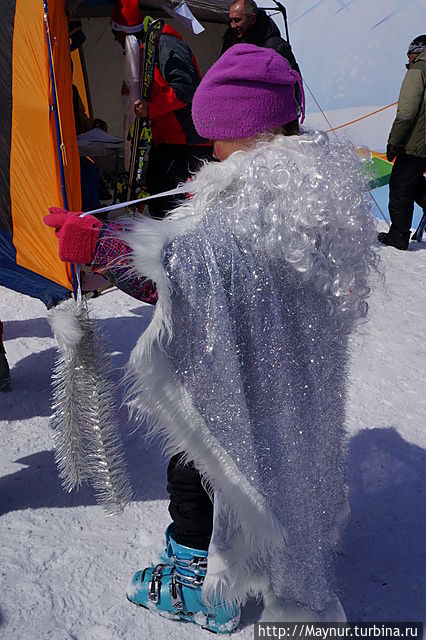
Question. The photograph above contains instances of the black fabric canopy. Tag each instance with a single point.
(208, 11)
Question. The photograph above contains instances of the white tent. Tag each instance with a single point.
(204, 10)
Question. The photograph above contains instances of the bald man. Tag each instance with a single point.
(252, 25)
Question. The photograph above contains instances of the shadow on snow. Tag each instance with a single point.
(382, 567)
(383, 563)
(30, 394)
(37, 484)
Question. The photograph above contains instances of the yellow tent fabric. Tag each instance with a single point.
(34, 164)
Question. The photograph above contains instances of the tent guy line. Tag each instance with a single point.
(121, 205)
(342, 126)
(333, 130)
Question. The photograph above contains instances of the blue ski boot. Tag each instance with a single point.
(174, 590)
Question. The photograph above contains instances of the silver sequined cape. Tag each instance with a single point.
(261, 277)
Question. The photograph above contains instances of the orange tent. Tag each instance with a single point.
(39, 159)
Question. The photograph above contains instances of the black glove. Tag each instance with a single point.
(391, 152)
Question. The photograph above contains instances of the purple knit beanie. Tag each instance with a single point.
(249, 90)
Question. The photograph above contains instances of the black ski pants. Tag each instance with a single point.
(406, 186)
(168, 165)
(190, 506)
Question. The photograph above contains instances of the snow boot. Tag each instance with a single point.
(174, 590)
(4, 370)
(389, 240)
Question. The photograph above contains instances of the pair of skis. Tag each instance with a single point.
(140, 133)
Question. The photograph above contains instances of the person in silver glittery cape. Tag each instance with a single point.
(260, 276)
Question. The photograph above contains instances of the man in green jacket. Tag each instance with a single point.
(407, 143)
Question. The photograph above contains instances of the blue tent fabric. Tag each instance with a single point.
(22, 280)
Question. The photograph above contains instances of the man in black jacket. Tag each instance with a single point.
(252, 25)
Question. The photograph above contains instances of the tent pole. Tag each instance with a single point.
(59, 139)
(281, 8)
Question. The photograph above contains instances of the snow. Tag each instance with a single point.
(65, 566)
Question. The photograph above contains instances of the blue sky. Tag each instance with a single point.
(352, 52)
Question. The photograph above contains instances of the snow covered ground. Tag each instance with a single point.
(64, 565)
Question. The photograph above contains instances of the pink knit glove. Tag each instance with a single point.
(77, 236)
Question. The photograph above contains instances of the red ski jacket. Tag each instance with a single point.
(176, 77)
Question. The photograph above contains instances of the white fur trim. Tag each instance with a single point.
(276, 611)
(65, 325)
(174, 417)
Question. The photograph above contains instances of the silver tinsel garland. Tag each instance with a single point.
(87, 444)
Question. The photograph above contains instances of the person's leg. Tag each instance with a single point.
(169, 165)
(89, 175)
(403, 186)
(190, 506)
(4, 366)
(175, 588)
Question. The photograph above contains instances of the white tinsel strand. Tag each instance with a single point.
(86, 433)
(105, 456)
(67, 381)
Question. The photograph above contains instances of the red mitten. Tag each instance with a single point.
(77, 236)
